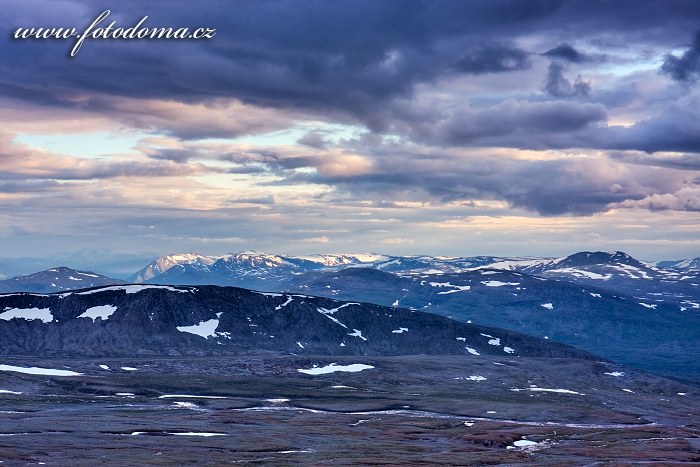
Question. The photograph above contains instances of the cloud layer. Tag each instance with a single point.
(337, 123)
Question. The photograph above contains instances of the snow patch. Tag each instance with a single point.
(332, 368)
(498, 283)
(38, 371)
(548, 306)
(29, 314)
(328, 313)
(188, 396)
(357, 333)
(131, 289)
(560, 391)
(581, 273)
(472, 351)
(456, 288)
(102, 311)
(289, 300)
(204, 329)
(472, 378)
(522, 443)
(615, 373)
(400, 330)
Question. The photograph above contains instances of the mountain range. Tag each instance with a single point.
(609, 304)
(614, 271)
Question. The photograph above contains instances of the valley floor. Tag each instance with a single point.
(415, 410)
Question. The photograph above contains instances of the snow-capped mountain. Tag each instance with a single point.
(56, 280)
(335, 260)
(617, 272)
(164, 263)
(265, 271)
(690, 264)
(251, 269)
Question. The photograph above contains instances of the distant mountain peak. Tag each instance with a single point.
(689, 264)
(600, 257)
(57, 279)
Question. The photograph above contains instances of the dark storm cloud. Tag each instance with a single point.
(686, 67)
(362, 61)
(558, 86)
(345, 55)
(492, 59)
(342, 56)
(549, 187)
(527, 122)
(674, 129)
(566, 52)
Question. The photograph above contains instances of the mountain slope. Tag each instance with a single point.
(690, 264)
(616, 272)
(642, 333)
(55, 280)
(163, 320)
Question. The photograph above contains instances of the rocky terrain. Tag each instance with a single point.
(300, 410)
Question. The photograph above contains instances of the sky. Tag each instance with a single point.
(311, 126)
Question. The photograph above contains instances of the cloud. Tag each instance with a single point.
(313, 139)
(321, 239)
(492, 59)
(680, 161)
(29, 186)
(398, 241)
(551, 187)
(685, 199)
(527, 121)
(685, 68)
(265, 200)
(566, 52)
(672, 130)
(354, 114)
(558, 86)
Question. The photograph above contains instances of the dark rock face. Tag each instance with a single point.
(56, 280)
(161, 320)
